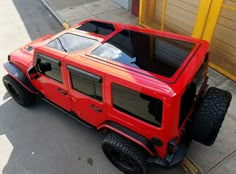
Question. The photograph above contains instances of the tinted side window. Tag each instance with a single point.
(71, 42)
(187, 102)
(86, 83)
(55, 73)
(137, 104)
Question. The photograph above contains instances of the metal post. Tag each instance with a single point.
(163, 15)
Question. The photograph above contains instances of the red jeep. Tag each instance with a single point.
(146, 89)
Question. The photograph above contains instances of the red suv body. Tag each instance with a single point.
(138, 85)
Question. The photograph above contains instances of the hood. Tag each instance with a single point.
(24, 55)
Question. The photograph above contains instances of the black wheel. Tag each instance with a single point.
(209, 116)
(17, 91)
(124, 154)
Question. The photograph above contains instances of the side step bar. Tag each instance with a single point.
(71, 113)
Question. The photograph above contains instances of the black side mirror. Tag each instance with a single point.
(32, 73)
(45, 66)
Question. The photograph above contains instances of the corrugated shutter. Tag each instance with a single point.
(223, 46)
(180, 15)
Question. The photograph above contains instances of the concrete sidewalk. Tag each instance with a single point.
(217, 159)
(72, 11)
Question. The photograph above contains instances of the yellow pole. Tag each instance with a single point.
(222, 71)
(212, 19)
(141, 11)
(146, 12)
(163, 15)
(201, 18)
(151, 9)
(206, 20)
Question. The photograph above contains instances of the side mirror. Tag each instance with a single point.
(32, 73)
(45, 66)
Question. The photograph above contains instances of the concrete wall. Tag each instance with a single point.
(123, 3)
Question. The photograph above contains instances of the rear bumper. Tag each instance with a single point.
(174, 159)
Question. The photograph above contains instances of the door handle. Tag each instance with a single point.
(95, 108)
(62, 91)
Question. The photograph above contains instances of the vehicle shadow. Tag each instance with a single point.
(45, 140)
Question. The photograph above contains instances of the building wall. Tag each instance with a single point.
(180, 15)
(223, 46)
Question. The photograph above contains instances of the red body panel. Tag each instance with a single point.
(169, 90)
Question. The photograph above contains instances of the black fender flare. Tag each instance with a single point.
(129, 134)
(19, 76)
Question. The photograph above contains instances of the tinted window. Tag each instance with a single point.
(187, 102)
(71, 42)
(86, 82)
(159, 55)
(55, 73)
(137, 104)
(97, 27)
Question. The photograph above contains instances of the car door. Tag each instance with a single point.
(52, 83)
(86, 90)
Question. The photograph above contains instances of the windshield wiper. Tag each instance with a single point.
(62, 45)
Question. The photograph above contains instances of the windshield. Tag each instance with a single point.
(70, 42)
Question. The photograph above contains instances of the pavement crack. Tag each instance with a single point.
(220, 162)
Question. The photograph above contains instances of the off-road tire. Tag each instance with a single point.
(210, 114)
(124, 154)
(21, 95)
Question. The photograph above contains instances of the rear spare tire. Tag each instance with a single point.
(124, 154)
(21, 95)
(209, 116)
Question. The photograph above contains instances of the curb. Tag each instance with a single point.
(50, 7)
(191, 167)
